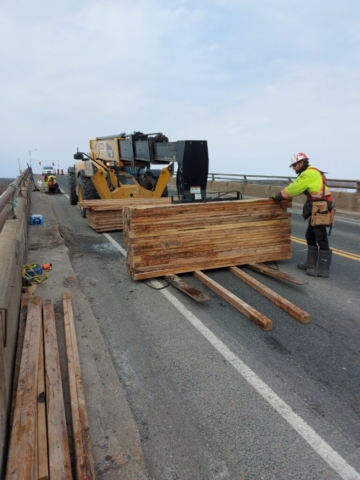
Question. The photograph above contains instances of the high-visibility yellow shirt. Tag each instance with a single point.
(51, 179)
(309, 181)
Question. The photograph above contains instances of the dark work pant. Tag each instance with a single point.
(54, 188)
(317, 236)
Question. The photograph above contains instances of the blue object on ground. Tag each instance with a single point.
(36, 220)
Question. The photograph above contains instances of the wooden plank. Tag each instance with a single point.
(82, 445)
(186, 288)
(23, 433)
(193, 211)
(229, 206)
(152, 271)
(172, 217)
(256, 317)
(271, 272)
(192, 239)
(120, 202)
(103, 222)
(207, 254)
(179, 242)
(203, 236)
(25, 297)
(290, 308)
(107, 215)
(59, 454)
(42, 447)
(140, 234)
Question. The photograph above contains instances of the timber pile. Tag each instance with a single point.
(39, 442)
(107, 215)
(170, 239)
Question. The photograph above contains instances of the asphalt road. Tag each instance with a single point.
(212, 395)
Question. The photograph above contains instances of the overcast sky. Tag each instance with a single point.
(258, 79)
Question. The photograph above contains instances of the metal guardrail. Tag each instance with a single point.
(280, 180)
(8, 197)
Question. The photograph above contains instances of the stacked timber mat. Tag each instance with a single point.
(107, 215)
(39, 441)
(169, 239)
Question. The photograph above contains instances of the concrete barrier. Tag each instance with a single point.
(13, 250)
(344, 201)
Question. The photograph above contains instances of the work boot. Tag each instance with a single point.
(312, 257)
(323, 266)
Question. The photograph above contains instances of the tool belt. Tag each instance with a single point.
(322, 212)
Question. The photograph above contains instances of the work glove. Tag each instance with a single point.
(278, 197)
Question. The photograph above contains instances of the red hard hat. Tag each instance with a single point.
(297, 157)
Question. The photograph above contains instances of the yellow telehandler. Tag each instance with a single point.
(120, 166)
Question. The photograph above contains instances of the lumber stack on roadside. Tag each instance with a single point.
(59, 452)
(39, 447)
(23, 450)
(107, 215)
(170, 239)
(84, 461)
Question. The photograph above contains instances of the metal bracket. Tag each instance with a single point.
(3, 318)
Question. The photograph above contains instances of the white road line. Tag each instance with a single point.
(331, 457)
(114, 242)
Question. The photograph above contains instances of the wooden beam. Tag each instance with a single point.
(194, 263)
(271, 272)
(20, 465)
(186, 288)
(59, 454)
(290, 308)
(258, 318)
(25, 297)
(119, 203)
(107, 215)
(82, 446)
(42, 446)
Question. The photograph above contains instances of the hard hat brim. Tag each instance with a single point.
(297, 161)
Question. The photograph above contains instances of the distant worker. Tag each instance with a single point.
(311, 182)
(51, 184)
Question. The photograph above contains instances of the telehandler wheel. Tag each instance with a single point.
(89, 191)
(72, 189)
(86, 191)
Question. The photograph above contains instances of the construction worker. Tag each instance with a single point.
(311, 182)
(51, 184)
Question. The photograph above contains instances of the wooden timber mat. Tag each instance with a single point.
(107, 215)
(39, 440)
(171, 239)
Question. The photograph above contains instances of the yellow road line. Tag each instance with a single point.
(341, 253)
